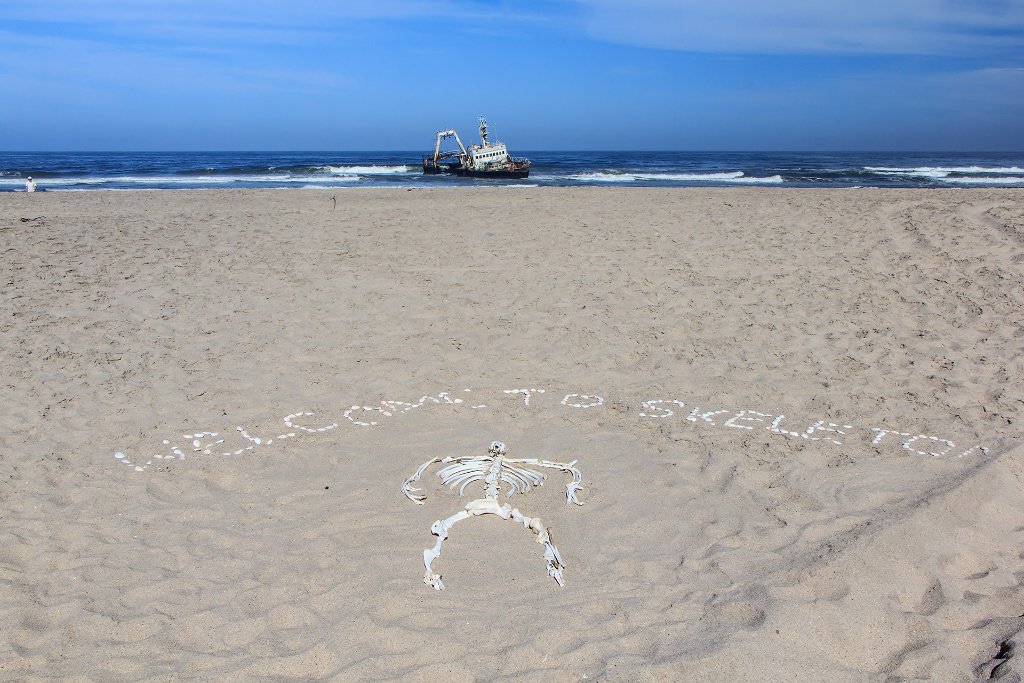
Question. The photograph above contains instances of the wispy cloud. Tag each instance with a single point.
(162, 37)
(82, 70)
(954, 28)
(962, 28)
(252, 21)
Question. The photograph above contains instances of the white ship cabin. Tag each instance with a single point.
(487, 155)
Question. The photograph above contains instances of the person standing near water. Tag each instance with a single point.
(30, 185)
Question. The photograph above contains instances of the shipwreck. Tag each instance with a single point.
(486, 160)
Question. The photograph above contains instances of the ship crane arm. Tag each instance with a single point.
(441, 135)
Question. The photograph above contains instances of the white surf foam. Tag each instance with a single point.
(1006, 180)
(369, 170)
(767, 180)
(203, 180)
(603, 177)
(698, 177)
(910, 172)
(940, 171)
(728, 177)
(319, 180)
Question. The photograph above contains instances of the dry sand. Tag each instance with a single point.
(704, 551)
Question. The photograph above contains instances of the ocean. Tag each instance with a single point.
(89, 171)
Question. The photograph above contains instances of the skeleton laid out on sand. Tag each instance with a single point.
(495, 470)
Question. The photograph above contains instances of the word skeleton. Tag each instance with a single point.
(494, 469)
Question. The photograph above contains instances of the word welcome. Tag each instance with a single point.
(303, 422)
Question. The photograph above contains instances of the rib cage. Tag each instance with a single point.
(464, 471)
(461, 471)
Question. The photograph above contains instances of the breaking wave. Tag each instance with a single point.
(940, 171)
(768, 180)
(1005, 180)
(630, 177)
(370, 170)
(192, 180)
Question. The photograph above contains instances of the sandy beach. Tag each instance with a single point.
(796, 414)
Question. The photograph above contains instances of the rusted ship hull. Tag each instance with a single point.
(514, 170)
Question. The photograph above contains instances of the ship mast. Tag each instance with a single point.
(483, 129)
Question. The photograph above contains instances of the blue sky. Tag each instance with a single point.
(555, 74)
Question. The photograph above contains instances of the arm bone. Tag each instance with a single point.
(409, 490)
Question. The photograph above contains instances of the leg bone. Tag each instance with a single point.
(487, 506)
(554, 560)
(440, 529)
(482, 506)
